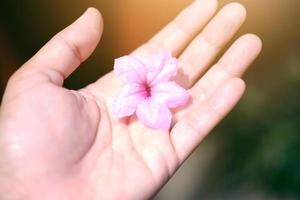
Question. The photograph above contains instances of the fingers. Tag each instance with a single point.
(233, 64)
(66, 50)
(205, 47)
(178, 33)
(187, 134)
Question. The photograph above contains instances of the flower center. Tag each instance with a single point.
(147, 90)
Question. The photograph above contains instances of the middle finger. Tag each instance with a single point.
(195, 60)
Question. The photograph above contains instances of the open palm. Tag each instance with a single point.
(62, 144)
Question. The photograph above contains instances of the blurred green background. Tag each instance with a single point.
(255, 152)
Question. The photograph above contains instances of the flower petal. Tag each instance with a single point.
(169, 93)
(130, 69)
(128, 99)
(154, 115)
(161, 67)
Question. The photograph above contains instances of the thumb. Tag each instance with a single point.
(66, 50)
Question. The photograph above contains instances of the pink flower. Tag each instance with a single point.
(148, 91)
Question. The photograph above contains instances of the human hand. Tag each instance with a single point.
(63, 144)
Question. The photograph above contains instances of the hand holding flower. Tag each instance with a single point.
(57, 143)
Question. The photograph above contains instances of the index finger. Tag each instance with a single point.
(179, 32)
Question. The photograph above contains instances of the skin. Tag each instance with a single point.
(63, 144)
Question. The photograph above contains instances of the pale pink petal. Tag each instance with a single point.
(126, 102)
(130, 69)
(154, 115)
(161, 67)
(169, 93)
